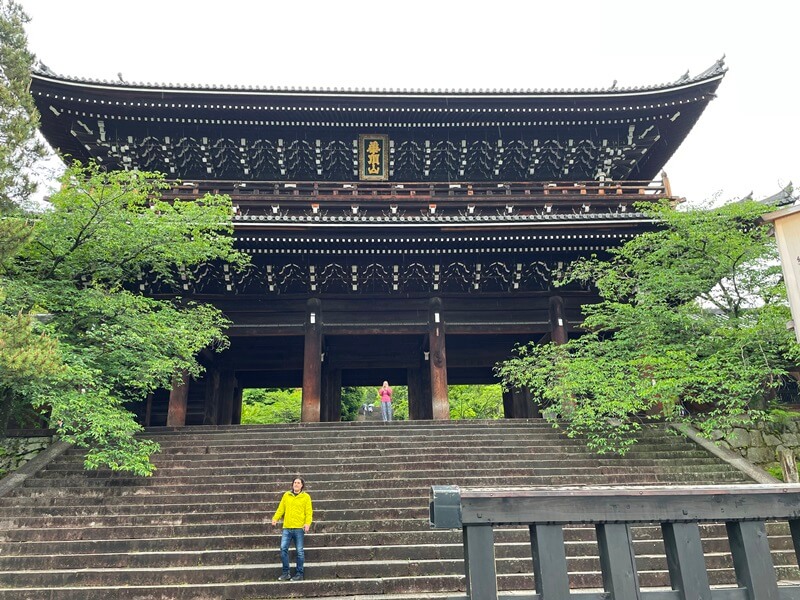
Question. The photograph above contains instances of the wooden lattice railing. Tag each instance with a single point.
(612, 510)
(420, 191)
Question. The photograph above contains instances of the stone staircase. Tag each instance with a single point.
(200, 527)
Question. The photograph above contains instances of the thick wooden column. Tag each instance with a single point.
(558, 323)
(237, 405)
(335, 395)
(523, 405)
(178, 400)
(210, 411)
(508, 404)
(227, 391)
(518, 404)
(148, 411)
(414, 377)
(438, 361)
(426, 399)
(331, 400)
(312, 363)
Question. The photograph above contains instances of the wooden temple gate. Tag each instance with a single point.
(406, 236)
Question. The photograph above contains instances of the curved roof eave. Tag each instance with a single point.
(715, 72)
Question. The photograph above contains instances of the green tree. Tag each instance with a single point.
(476, 401)
(81, 266)
(20, 148)
(352, 399)
(271, 405)
(692, 323)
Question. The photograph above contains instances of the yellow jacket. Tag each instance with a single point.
(295, 510)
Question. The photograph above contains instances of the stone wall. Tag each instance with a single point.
(760, 443)
(19, 447)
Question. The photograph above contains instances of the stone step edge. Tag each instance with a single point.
(275, 565)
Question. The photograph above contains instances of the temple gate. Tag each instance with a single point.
(412, 236)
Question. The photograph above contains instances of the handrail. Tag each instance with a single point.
(330, 190)
(612, 510)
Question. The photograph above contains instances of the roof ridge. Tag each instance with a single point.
(717, 69)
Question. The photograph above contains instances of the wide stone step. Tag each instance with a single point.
(272, 589)
(96, 496)
(576, 550)
(99, 508)
(255, 517)
(465, 443)
(303, 459)
(452, 469)
(366, 463)
(559, 476)
(584, 571)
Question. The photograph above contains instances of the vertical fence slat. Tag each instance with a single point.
(752, 560)
(794, 528)
(618, 561)
(549, 561)
(685, 561)
(479, 563)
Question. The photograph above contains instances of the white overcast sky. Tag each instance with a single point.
(748, 139)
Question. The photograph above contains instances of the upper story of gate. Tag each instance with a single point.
(401, 140)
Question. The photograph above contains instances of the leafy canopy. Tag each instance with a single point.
(79, 265)
(692, 324)
(20, 149)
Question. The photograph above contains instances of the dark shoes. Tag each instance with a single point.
(285, 577)
(297, 578)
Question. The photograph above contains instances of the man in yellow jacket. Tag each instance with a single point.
(295, 509)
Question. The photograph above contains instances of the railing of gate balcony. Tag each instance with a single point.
(612, 510)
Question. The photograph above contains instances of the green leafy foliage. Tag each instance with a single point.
(271, 405)
(352, 399)
(79, 267)
(20, 150)
(476, 401)
(692, 324)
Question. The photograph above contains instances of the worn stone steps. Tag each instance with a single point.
(579, 551)
(379, 479)
(320, 570)
(367, 463)
(200, 527)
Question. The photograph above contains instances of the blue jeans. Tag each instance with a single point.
(287, 537)
(386, 411)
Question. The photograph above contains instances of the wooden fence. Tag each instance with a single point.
(612, 510)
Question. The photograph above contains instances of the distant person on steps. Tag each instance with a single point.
(295, 509)
(386, 401)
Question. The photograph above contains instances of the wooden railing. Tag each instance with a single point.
(270, 190)
(612, 510)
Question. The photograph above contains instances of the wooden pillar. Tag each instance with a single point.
(518, 404)
(237, 405)
(210, 411)
(325, 392)
(426, 397)
(523, 405)
(414, 376)
(438, 361)
(331, 398)
(227, 389)
(558, 323)
(508, 404)
(335, 395)
(148, 410)
(312, 363)
(178, 400)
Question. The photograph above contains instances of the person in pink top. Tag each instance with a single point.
(386, 401)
